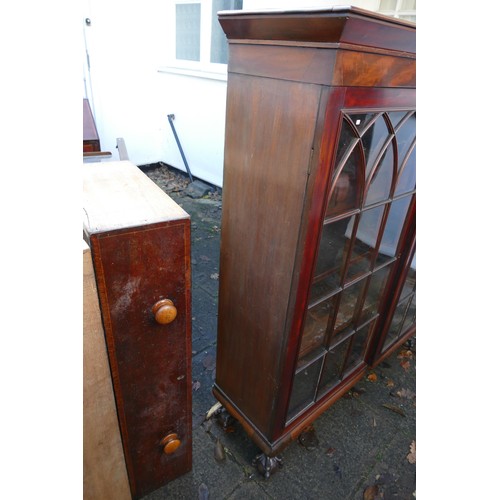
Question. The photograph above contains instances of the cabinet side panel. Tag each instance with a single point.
(104, 470)
(270, 128)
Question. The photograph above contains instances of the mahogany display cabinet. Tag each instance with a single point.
(140, 245)
(318, 212)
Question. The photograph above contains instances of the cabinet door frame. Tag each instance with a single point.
(341, 100)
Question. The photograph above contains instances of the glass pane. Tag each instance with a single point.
(347, 307)
(396, 117)
(409, 284)
(315, 327)
(405, 136)
(376, 288)
(347, 137)
(218, 47)
(394, 329)
(393, 227)
(187, 31)
(332, 371)
(358, 348)
(388, 4)
(360, 120)
(413, 19)
(380, 185)
(408, 176)
(346, 193)
(373, 140)
(304, 387)
(408, 4)
(331, 249)
(324, 288)
(409, 320)
(366, 240)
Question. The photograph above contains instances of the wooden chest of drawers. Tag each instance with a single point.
(140, 244)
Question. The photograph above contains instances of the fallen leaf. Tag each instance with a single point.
(330, 452)
(405, 393)
(203, 493)
(372, 377)
(390, 383)
(405, 354)
(212, 410)
(214, 276)
(219, 452)
(371, 492)
(209, 362)
(405, 365)
(412, 456)
(395, 409)
(196, 385)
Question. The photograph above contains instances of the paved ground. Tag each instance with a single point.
(360, 447)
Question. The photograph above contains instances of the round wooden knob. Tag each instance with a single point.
(170, 443)
(165, 312)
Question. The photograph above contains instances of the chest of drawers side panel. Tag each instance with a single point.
(150, 362)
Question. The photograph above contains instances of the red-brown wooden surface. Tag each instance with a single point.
(150, 362)
(278, 178)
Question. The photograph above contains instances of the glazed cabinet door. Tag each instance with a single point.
(360, 242)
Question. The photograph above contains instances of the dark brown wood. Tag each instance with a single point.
(90, 136)
(140, 262)
(302, 86)
(257, 256)
(348, 25)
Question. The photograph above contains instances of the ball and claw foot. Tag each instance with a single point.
(267, 465)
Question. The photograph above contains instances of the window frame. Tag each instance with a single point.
(203, 68)
(398, 12)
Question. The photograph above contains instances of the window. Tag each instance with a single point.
(197, 43)
(402, 9)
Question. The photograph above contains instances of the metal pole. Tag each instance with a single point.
(171, 121)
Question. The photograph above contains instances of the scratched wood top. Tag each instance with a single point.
(118, 194)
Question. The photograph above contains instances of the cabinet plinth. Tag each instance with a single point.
(318, 210)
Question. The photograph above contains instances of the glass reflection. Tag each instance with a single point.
(358, 348)
(331, 249)
(347, 306)
(374, 293)
(346, 193)
(393, 227)
(315, 327)
(304, 387)
(373, 140)
(405, 136)
(380, 185)
(332, 371)
(365, 242)
(408, 176)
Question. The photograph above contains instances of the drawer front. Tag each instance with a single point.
(150, 362)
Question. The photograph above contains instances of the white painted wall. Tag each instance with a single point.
(128, 42)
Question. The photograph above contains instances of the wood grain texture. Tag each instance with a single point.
(336, 25)
(150, 362)
(275, 128)
(291, 77)
(140, 243)
(117, 194)
(104, 470)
